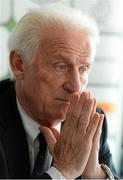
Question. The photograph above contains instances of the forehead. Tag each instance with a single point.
(69, 42)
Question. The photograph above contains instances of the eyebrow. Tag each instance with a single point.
(64, 58)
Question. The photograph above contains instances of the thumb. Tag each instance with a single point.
(49, 137)
(55, 133)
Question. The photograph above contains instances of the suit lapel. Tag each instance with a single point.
(14, 139)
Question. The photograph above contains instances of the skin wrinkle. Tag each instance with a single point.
(77, 60)
(56, 40)
(55, 43)
(66, 59)
(77, 53)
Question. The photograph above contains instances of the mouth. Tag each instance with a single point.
(61, 99)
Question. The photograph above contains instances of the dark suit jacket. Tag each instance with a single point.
(14, 154)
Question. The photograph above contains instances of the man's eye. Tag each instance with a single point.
(83, 70)
(60, 67)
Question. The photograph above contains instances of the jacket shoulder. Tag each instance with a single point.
(7, 95)
(5, 84)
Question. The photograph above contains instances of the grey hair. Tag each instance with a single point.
(25, 37)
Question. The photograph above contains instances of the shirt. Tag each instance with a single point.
(32, 130)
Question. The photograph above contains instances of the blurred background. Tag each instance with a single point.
(106, 77)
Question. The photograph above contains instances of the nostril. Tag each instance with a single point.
(71, 87)
(67, 86)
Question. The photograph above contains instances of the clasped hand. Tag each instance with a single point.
(75, 149)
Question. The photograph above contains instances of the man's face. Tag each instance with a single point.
(59, 70)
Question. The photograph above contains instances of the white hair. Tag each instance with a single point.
(25, 37)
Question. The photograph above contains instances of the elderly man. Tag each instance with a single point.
(51, 53)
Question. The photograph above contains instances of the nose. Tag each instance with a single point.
(73, 83)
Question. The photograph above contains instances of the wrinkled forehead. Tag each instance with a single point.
(59, 39)
(56, 33)
(56, 29)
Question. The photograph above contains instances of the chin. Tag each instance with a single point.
(61, 115)
(58, 118)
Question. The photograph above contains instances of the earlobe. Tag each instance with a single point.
(16, 63)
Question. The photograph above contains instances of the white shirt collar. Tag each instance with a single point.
(31, 127)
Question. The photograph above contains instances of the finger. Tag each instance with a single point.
(81, 103)
(93, 110)
(69, 129)
(94, 104)
(49, 137)
(85, 115)
(73, 101)
(91, 130)
(74, 113)
(94, 107)
(97, 135)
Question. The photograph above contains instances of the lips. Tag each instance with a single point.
(61, 99)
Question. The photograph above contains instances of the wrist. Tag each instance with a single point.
(97, 173)
(63, 170)
(55, 173)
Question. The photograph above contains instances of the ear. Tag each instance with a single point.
(16, 63)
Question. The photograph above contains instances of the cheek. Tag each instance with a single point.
(45, 77)
(49, 82)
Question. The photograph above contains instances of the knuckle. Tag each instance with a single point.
(75, 115)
